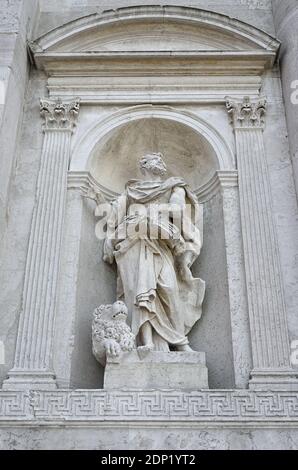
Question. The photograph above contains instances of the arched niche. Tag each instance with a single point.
(108, 152)
(176, 125)
(114, 160)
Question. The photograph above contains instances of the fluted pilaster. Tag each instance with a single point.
(268, 323)
(32, 367)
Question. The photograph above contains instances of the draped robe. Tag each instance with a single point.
(148, 277)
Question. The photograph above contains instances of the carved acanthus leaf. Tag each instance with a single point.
(59, 115)
(247, 113)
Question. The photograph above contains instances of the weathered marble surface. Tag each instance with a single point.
(144, 438)
(256, 12)
(17, 21)
(285, 16)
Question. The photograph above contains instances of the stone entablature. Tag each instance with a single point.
(83, 59)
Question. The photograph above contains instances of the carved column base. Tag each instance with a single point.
(273, 379)
(30, 380)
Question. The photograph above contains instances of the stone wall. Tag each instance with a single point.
(21, 203)
(17, 22)
(155, 437)
(255, 12)
(285, 15)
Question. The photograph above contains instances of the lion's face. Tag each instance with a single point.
(119, 311)
(109, 323)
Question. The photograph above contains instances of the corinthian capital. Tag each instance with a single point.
(58, 115)
(247, 113)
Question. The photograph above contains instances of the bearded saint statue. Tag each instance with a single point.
(154, 241)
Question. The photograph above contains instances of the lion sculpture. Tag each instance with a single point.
(111, 336)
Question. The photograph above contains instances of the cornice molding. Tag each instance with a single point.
(77, 180)
(157, 90)
(174, 13)
(220, 180)
(258, 48)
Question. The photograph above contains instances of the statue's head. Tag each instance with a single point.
(153, 163)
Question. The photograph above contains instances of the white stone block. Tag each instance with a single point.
(172, 370)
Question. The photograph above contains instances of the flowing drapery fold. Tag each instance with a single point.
(148, 276)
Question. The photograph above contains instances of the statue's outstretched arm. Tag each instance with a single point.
(178, 197)
(115, 217)
(93, 194)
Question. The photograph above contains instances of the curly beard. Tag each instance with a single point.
(158, 170)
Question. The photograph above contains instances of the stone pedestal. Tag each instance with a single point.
(162, 370)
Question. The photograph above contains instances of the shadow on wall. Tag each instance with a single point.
(96, 285)
(212, 333)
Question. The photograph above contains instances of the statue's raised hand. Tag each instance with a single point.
(92, 193)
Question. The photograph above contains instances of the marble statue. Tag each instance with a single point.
(153, 236)
(111, 336)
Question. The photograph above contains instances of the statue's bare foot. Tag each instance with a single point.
(144, 350)
(184, 348)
